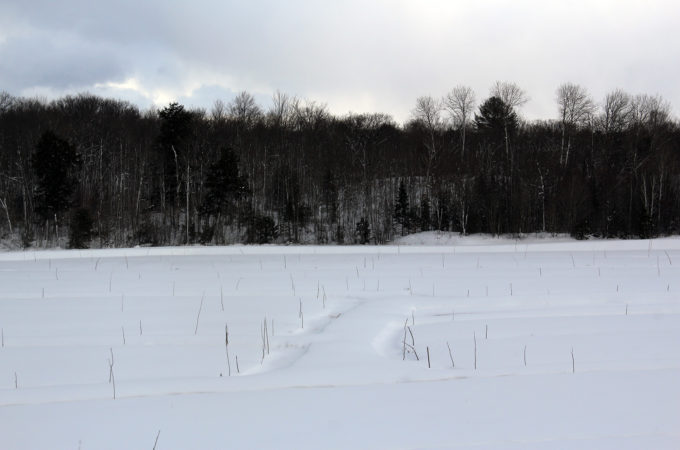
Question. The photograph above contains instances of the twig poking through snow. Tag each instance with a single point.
(474, 337)
(573, 366)
(226, 347)
(112, 378)
(301, 316)
(453, 365)
(199, 313)
(264, 334)
(412, 345)
(156, 441)
(404, 341)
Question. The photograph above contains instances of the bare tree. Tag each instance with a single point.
(309, 114)
(6, 101)
(616, 111)
(513, 97)
(575, 108)
(245, 110)
(460, 102)
(218, 113)
(428, 113)
(649, 111)
(511, 94)
(281, 110)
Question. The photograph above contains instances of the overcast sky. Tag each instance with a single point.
(358, 56)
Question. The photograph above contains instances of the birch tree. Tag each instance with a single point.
(575, 108)
(460, 103)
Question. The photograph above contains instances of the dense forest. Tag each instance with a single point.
(88, 171)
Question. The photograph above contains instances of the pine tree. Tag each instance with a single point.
(494, 116)
(363, 231)
(55, 163)
(425, 219)
(401, 208)
(80, 228)
(171, 144)
(224, 185)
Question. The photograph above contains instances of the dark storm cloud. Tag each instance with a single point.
(372, 55)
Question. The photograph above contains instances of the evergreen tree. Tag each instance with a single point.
(55, 163)
(425, 219)
(494, 116)
(363, 231)
(80, 228)
(224, 185)
(175, 132)
(401, 208)
(261, 230)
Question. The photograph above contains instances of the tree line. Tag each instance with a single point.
(92, 171)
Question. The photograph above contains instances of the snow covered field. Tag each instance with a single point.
(556, 344)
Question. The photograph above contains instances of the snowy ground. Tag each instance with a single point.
(338, 375)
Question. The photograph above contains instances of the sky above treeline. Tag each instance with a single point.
(354, 56)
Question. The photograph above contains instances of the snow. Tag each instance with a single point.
(338, 376)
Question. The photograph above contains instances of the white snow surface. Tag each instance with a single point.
(338, 375)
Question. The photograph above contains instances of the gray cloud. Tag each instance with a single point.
(58, 61)
(356, 56)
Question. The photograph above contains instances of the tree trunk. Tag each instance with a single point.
(3, 203)
(187, 211)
